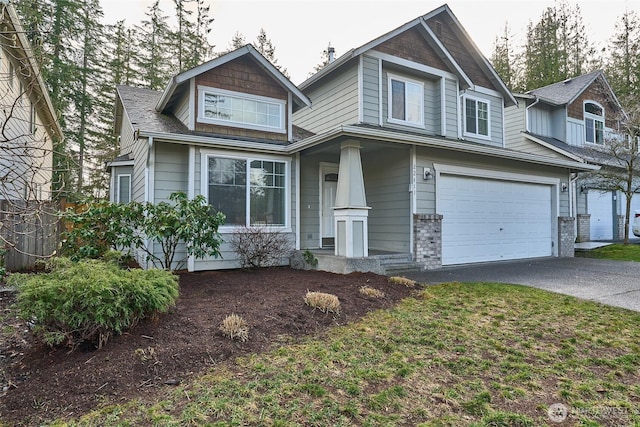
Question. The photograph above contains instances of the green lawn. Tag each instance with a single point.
(617, 252)
(480, 354)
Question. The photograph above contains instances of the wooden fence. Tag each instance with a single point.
(30, 232)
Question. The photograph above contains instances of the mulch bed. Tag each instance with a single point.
(38, 383)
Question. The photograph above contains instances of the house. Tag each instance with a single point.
(393, 153)
(29, 129)
(574, 118)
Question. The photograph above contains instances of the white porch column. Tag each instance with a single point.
(351, 211)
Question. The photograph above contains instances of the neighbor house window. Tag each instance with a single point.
(248, 191)
(237, 109)
(406, 101)
(594, 123)
(32, 119)
(476, 117)
(124, 188)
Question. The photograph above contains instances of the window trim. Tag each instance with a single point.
(405, 80)
(281, 103)
(120, 176)
(595, 118)
(204, 186)
(476, 99)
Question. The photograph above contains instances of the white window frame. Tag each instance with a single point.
(204, 186)
(118, 192)
(464, 117)
(280, 103)
(595, 118)
(406, 81)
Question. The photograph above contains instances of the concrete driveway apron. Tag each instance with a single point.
(615, 283)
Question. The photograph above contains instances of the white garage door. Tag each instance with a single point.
(490, 220)
(635, 206)
(600, 206)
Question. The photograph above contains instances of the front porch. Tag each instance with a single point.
(379, 262)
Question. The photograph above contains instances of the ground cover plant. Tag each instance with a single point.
(618, 252)
(479, 354)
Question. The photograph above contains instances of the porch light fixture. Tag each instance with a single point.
(427, 173)
(564, 187)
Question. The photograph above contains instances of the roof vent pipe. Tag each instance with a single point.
(331, 53)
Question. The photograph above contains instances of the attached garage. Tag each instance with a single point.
(600, 206)
(486, 219)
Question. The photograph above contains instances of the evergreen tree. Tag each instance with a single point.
(183, 33)
(264, 45)
(153, 59)
(502, 58)
(623, 62)
(201, 49)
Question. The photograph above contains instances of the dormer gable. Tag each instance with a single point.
(239, 94)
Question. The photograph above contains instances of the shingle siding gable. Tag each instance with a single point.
(241, 75)
(412, 46)
(595, 92)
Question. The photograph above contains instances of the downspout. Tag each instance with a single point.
(573, 202)
(526, 114)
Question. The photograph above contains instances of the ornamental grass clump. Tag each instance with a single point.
(327, 303)
(368, 291)
(90, 301)
(399, 280)
(235, 328)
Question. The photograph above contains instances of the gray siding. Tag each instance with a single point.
(139, 150)
(171, 170)
(387, 176)
(559, 126)
(333, 104)
(451, 91)
(540, 121)
(371, 90)
(515, 124)
(182, 109)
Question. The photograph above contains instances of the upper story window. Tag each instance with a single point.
(124, 188)
(226, 108)
(476, 118)
(593, 123)
(406, 101)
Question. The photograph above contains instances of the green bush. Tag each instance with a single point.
(91, 300)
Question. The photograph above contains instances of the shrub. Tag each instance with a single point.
(260, 247)
(327, 303)
(91, 300)
(235, 327)
(399, 280)
(368, 291)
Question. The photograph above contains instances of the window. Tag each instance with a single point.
(124, 189)
(227, 108)
(11, 74)
(593, 123)
(476, 118)
(248, 191)
(406, 101)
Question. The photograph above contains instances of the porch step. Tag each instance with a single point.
(399, 268)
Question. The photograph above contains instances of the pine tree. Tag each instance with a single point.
(264, 45)
(623, 62)
(502, 58)
(153, 59)
(201, 49)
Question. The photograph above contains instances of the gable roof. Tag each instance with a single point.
(446, 56)
(567, 91)
(249, 50)
(22, 51)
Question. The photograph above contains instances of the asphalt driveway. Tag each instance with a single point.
(615, 283)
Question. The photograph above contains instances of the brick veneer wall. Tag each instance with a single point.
(427, 240)
(584, 228)
(566, 237)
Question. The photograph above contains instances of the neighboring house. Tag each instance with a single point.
(28, 129)
(397, 154)
(574, 118)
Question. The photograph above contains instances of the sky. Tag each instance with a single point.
(301, 29)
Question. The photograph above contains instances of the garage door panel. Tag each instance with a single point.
(600, 207)
(489, 220)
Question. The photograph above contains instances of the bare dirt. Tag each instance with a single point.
(38, 383)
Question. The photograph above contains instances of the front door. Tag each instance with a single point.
(329, 185)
